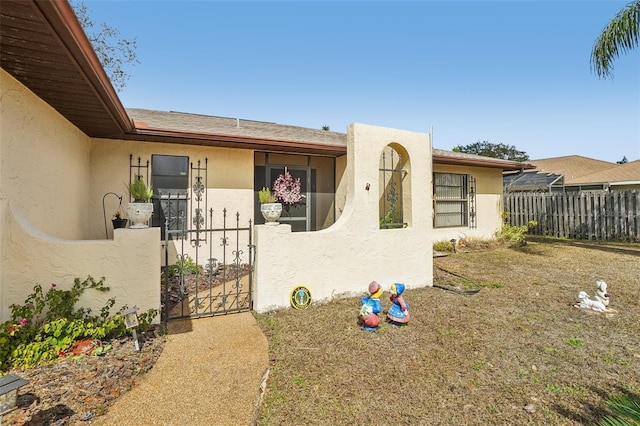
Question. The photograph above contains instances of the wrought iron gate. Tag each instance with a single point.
(208, 259)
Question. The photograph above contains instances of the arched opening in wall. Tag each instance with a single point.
(394, 188)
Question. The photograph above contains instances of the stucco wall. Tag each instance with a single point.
(489, 203)
(44, 171)
(229, 177)
(130, 264)
(44, 167)
(344, 258)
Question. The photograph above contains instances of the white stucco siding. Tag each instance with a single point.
(130, 265)
(344, 258)
(44, 166)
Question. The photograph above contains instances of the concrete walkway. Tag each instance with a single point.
(209, 373)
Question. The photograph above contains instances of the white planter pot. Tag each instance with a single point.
(139, 214)
(271, 213)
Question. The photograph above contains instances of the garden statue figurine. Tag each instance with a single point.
(587, 303)
(398, 313)
(601, 292)
(371, 307)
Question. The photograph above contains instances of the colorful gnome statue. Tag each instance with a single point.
(398, 313)
(371, 307)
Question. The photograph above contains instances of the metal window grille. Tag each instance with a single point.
(451, 203)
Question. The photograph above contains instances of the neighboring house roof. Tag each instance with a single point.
(43, 46)
(620, 174)
(576, 171)
(572, 166)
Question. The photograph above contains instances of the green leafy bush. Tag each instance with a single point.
(48, 324)
(443, 245)
(514, 235)
(184, 266)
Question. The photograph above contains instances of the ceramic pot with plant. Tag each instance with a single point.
(140, 210)
(270, 208)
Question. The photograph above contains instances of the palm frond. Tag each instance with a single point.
(625, 409)
(619, 36)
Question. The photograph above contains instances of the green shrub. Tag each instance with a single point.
(514, 235)
(57, 337)
(184, 266)
(48, 324)
(391, 220)
(443, 245)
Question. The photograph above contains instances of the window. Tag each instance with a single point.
(170, 178)
(450, 203)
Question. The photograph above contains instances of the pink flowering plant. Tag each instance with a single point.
(288, 191)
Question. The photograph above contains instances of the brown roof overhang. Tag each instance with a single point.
(43, 46)
(478, 161)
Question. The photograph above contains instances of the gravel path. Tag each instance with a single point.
(206, 371)
(209, 374)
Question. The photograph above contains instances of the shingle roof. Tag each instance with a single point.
(213, 125)
(582, 170)
(572, 166)
(62, 68)
(628, 172)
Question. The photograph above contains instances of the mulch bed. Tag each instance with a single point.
(75, 391)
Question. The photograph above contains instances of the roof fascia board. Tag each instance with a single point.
(250, 142)
(481, 162)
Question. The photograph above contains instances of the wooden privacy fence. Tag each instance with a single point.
(592, 215)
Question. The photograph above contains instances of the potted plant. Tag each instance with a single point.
(140, 210)
(270, 208)
(140, 192)
(119, 221)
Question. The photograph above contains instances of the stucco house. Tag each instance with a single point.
(376, 198)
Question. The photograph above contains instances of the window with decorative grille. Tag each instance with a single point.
(451, 203)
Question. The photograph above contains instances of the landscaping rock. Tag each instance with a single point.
(74, 390)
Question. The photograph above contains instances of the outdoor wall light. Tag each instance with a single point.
(9, 385)
(367, 187)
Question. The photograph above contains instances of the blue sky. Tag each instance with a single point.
(512, 72)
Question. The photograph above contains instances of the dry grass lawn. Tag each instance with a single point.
(517, 352)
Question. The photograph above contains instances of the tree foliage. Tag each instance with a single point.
(620, 35)
(500, 150)
(114, 52)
